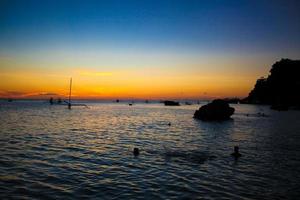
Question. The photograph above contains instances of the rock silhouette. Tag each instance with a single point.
(280, 89)
(232, 100)
(216, 110)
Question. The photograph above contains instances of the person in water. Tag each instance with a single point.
(136, 151)
(236, 153)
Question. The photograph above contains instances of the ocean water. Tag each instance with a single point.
(50, 152)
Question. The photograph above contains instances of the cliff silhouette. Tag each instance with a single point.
(281, 88)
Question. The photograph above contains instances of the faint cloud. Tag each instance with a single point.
(12, 94)
(19, 94)
(93, 73)
(48, 94)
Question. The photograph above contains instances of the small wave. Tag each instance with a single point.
(194, 156)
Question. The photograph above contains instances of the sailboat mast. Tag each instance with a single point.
(69, 104)
(70, 91)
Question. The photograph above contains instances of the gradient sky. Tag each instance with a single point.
(143, 49)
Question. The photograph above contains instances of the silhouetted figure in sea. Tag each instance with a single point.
(236, 153)
(69, 106)
(51, 101)
(136, 151)
(59, 101)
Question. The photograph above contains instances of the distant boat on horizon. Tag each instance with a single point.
(171, 103)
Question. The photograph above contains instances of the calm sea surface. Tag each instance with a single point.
(50, 152)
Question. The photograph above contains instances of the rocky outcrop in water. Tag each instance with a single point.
(216, 110)
(232, 100)
(281, 88)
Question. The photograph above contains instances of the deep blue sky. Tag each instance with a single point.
(212, 25)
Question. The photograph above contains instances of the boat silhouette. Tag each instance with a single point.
(67, 103)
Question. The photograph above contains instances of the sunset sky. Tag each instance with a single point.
(143, 49)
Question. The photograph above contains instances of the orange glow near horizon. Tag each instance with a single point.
(130, 84)
(205, 78)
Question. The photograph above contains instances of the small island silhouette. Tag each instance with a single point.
(217, 110)
(281, 89)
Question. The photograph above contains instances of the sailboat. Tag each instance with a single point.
(69, 102)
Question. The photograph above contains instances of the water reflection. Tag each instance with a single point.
(87, 153)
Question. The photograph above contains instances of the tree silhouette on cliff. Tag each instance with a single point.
(281, 87)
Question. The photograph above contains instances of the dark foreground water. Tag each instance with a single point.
(50, 152)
